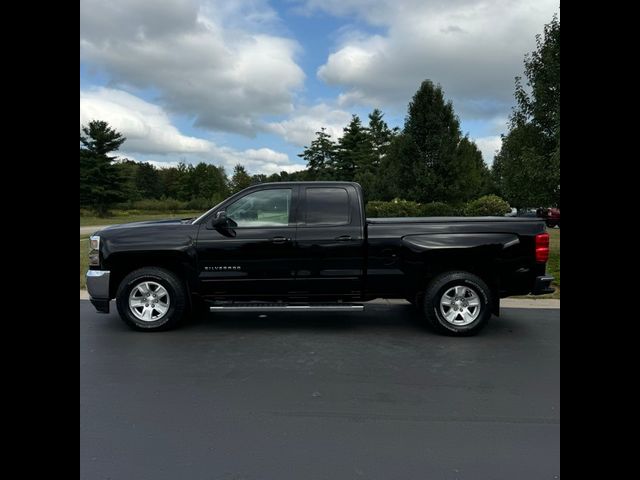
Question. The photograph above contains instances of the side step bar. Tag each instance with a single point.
(275, 307)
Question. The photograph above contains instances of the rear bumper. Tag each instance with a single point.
(98, 288)
(542, 285)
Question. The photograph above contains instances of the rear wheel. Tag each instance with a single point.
(457, 303)
(152, 299)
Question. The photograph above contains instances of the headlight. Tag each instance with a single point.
(94, 253)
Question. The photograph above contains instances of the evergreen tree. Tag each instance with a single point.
(375, 181)
(470, 177)
(380, 135)
(147, 181)
(435, 130)
(398, 167)
(320, 156)
(240, 179)
(355, 154)
(100, 182)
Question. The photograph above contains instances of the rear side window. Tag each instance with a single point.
(327, 206)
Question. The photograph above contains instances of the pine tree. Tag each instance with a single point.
(435, 130)
(320, 156)
(380, 135)
(240, 179)
(355, 154)
(101, 184)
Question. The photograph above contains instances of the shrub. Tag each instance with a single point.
(394, 208)
(438, 209)
(200, 204)
(489, 205)
(162, 205)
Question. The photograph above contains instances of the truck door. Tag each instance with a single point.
(254, 256)
(330, 242)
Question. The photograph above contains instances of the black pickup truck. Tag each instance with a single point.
(307, 246)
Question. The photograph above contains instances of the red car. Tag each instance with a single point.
(551, 216)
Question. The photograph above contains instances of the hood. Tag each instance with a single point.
(146, 223)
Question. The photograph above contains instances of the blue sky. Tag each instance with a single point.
(250, 81)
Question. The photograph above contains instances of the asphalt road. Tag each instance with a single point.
(370, 395)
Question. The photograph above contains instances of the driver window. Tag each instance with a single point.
(265, 208)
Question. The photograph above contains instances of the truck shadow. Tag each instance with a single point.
(400, 318)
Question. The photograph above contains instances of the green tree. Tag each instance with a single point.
(99, 138)
(398, 167)
(170, 178)
(128, 170)
(147, 181)
(380, 135)
(101, 184)
(240, 179)
(320, 156)
(469, 177)
(431, 161)
(258, 179)
(527, 168)
(355, 156)
(435, 131)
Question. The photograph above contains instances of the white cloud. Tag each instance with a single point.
(488, 146)
(300, 127)
(474, 49)
(146, 126)
(151, 135)
(216, 61)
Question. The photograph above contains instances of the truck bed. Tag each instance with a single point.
(395, 220)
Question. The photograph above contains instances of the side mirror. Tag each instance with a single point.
(220, 219)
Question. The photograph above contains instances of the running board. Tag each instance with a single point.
(283, 307)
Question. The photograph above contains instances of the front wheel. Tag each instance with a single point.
(152, 299)
(457, 303)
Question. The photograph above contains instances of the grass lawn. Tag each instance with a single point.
(84, 259)
(126, 217)
(553, 265)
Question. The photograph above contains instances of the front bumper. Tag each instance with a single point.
(542, 285)
(98, 288)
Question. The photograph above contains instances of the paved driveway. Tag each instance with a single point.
(372, 395)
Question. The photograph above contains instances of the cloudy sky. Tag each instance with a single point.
(250, 81)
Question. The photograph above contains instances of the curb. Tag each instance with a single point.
(504, 303)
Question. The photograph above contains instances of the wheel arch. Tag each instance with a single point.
(120, 264)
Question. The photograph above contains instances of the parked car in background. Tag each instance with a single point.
(523, 212)
(551, 216)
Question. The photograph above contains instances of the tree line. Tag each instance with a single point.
(106, 181)
(428, 160)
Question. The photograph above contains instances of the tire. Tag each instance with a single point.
(460, 291)
(551, 224)
(169, 307)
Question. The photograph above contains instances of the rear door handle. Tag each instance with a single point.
(279, 240)
(343, 238)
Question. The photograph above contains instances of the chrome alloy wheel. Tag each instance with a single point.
(460, 305)
(149, 301)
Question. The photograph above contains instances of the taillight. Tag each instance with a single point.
(542, 247)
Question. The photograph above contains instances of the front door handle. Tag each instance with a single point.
(280, 240)
(343, 238)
